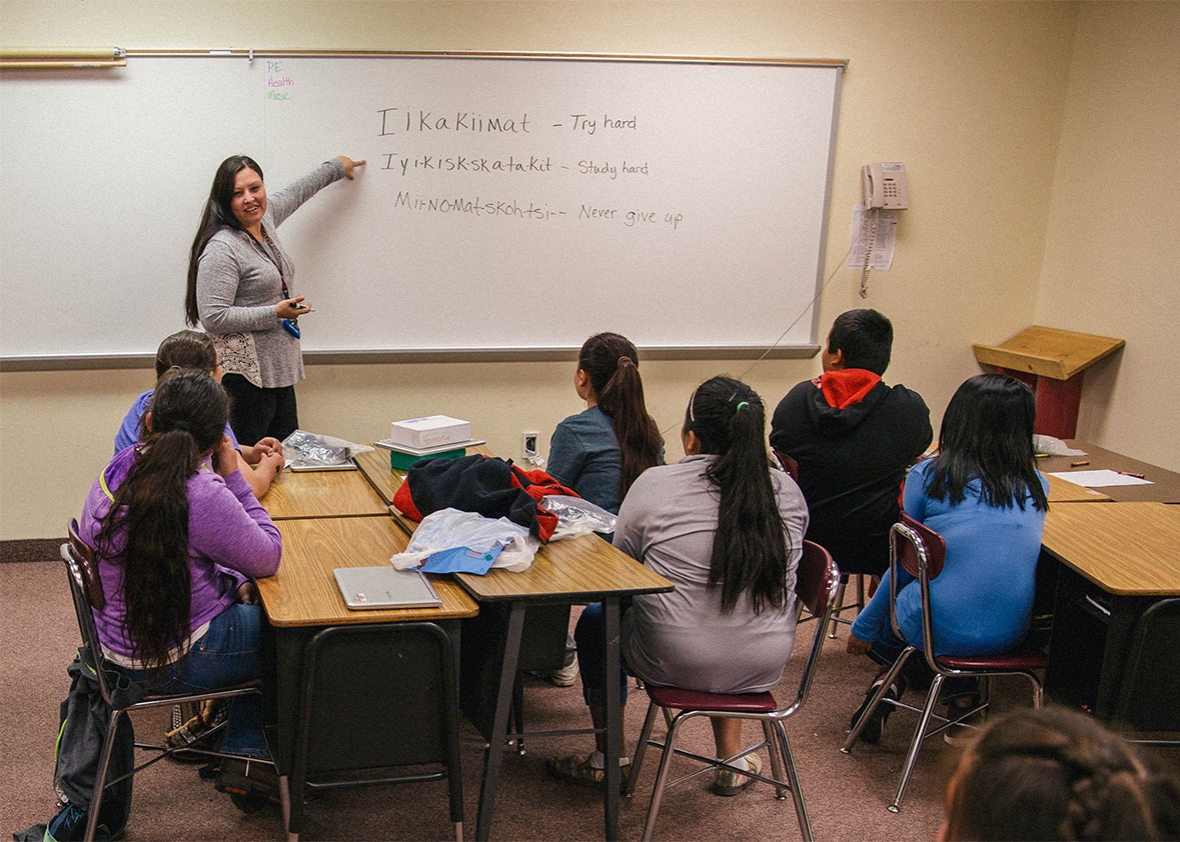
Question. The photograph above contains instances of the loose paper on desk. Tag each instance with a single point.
(1099, 479)
(882, 244)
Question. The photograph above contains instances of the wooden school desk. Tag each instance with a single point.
(302, 599)
(576, 572)
(301, 494)
(1114, 651)
(1165, 487)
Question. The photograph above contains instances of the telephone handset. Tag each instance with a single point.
(885, 186)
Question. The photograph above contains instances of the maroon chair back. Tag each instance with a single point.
(814, 578)
(932, 544)
(788, 463)
(88, 567)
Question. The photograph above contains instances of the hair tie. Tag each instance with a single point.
(175, 368)
(738, 408)
(625, 359)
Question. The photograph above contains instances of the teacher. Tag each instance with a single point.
(240, 291)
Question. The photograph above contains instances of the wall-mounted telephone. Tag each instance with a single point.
(885, 186)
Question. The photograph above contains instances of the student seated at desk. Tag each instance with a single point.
(728, 531)
(190, 349)
(1058, 774)
(600, 451)
(853, 437)
(983, 494)
(178, 535)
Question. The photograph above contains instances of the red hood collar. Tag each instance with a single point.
(846, 386)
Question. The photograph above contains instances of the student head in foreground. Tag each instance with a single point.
(600, 451)
(1057, 774)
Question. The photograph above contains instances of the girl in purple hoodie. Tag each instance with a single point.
(178, 535)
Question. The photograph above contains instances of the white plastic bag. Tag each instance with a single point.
(448, 529)
(577, 516)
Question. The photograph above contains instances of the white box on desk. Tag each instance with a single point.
(429, 431)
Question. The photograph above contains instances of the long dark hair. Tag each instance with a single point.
(1058, 774)
(612, 363)
(189, 411)
(218, 214)
(987, 435)
(750, 547)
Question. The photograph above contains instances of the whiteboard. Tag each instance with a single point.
(508, 203)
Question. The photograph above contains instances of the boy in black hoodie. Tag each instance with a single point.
(853, 437)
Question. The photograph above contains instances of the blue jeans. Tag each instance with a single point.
(225, 655)
(589, 634)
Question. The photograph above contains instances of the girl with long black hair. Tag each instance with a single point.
(178, 534)
(984, 495)
(601, 451)
(728, 531)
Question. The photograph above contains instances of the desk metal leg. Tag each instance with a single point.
(614, 718)
(495, 751)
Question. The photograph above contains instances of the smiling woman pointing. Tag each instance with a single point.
(241, 291)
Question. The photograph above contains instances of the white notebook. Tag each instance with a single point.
(385, 587)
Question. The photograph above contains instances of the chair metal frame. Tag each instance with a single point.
(921, 552)
(817, 580)
(86, 591)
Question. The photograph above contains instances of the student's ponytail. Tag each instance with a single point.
(612, 363)
(189, 411)
(750, 546)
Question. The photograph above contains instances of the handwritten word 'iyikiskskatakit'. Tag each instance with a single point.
(475, 207)
(396, 120)
(464, 164)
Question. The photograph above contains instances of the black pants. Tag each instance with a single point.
(256, 412)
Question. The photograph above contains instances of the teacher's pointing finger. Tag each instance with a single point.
(349, 164)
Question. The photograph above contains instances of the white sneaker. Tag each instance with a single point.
(565, 676)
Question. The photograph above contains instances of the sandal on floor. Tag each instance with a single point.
(251, 783)
(730, 781)
(576, 768)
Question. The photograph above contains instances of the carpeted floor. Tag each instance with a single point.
(846, 795)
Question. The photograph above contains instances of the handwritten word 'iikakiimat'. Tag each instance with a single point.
(396, 120)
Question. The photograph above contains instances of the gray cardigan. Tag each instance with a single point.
(238, 286)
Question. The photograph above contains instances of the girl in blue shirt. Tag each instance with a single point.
(984, 495)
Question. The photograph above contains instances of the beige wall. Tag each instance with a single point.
(1112, 265)
(972, 96)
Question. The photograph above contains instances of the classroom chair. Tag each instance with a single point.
(1149, 691)
(815, 586)
(791, 467)
(922, 552)
(86, 590)
(376, 696)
